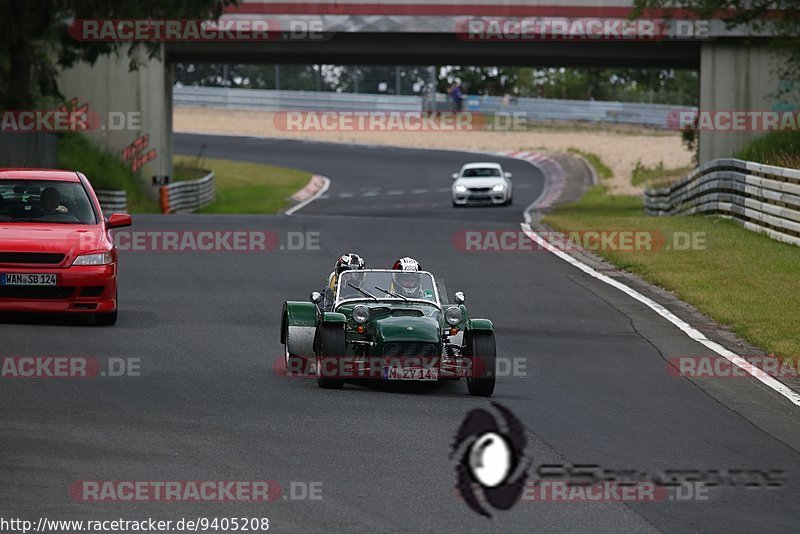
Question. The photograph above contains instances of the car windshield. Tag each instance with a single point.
(45, 201)
(412, 286)
(481, 172)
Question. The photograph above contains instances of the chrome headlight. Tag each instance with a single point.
(461, 189)
(99, 258)
(498, 187)
(453, 316)
(360, 314)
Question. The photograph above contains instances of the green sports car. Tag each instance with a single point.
(392, 326)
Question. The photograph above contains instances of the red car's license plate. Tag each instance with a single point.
(397, 373)
(28, 279)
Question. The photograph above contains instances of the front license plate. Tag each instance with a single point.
(16, 279)
(398, 373)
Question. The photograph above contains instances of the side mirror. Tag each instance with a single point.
(455, 176)
(459, 298)
(118, 220)
(508, 175)
(316, 297)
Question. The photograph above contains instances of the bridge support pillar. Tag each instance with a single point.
(134, 110)
(735, 76)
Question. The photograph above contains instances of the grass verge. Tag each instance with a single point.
(104, 170)
(657, 176)
(775, 148)
(739, 278)
(244, 187)
(602, 170)
(184, 172)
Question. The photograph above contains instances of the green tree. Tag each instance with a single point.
(35, 42)
(778, 17)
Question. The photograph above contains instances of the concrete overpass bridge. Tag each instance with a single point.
(735, 67)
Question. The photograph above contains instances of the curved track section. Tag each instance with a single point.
(209, 406)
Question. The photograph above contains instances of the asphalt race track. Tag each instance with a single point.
(210, 406)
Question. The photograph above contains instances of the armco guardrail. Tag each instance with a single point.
(224, 97)
(655, 115)
(112, 200)
(763, 198)
(188, 196)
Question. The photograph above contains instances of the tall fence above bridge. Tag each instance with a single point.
(763, 198)
(545, 109)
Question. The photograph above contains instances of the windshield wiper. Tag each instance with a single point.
(392, 293)
(365, 293)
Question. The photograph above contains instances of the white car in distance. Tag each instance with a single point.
(482, 183)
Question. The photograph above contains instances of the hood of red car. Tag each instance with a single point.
(69, 239)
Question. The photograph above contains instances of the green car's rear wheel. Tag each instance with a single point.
(330, 349)
(482, 349)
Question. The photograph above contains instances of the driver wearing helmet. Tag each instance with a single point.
(346, 262)
(407, 282)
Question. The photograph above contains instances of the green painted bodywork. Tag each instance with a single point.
(480, 324)
(334, 318)
(301, 313)
(421, 329)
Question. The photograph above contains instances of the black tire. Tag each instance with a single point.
(106, 319)
(510, 200)
(295, 365)
(331, 346)
(482, 348)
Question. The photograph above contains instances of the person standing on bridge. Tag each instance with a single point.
(456, 96)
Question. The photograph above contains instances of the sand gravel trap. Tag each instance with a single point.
(620, 151)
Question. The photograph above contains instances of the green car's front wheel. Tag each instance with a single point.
(331, 348)
(482, 349)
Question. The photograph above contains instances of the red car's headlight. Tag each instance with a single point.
(96, 258)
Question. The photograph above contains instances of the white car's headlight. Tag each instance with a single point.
(360, 314)
(461, 189)
(98, 258)
(499, 187)
(453, 316)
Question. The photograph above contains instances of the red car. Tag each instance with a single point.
(56, 252)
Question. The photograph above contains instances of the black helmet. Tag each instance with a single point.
(349, 262)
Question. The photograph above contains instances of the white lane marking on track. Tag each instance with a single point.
(418, 191)
(345, 195)
(395, 192)
(370, 194)
(688, 329)
(326, 183)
